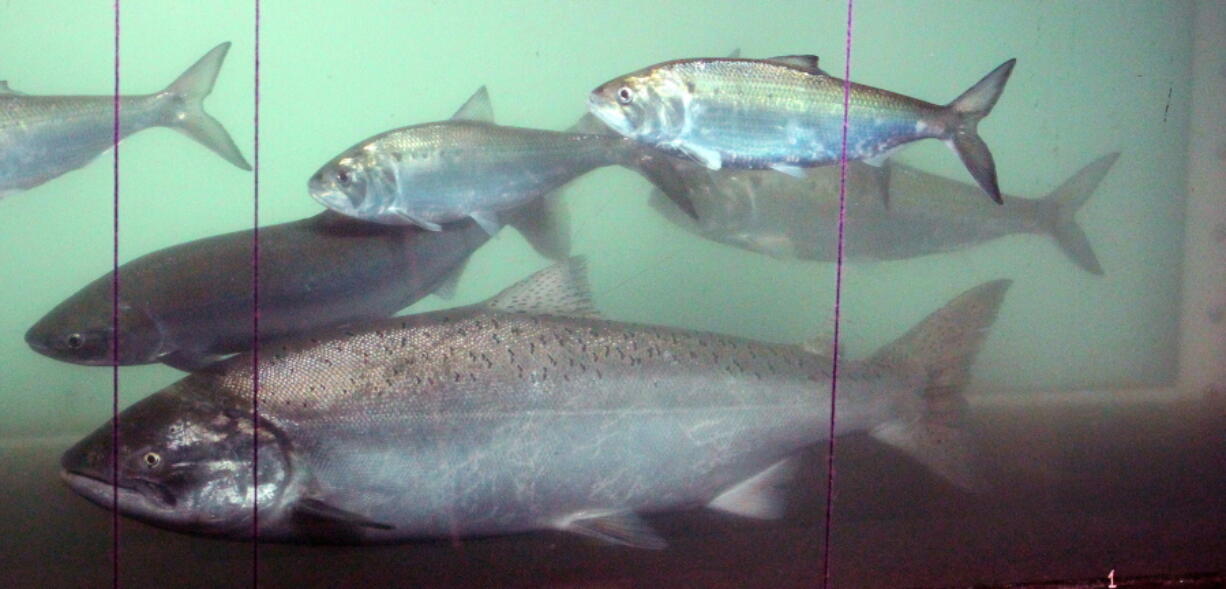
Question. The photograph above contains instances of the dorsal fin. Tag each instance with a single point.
(477, 108)
(5, 89)
(805, 62)
(561, 289)
(736, 54)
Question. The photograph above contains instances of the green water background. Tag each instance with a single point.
(1091, 78)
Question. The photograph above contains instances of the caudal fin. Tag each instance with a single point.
(185, 107)
(544, 223)
(661, 172)
(1057, 209)
(968, 110)
(928, 423)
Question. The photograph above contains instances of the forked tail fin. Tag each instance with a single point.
(968, 110)
(928, 423)
(656, 167)
(1057, 209)
(184, 100)
(545, 224)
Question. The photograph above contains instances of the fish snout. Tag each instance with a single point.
(38, 341)
(327, 190)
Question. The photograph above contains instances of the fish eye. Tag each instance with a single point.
(152, 459)
(74, 341)
(343, 177)
(623, 95)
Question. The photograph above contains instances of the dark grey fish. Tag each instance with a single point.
(524, 413)
(468, 167)
(893, 212)
(42, 137)
(189, 304)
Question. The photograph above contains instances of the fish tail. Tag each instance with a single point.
(968, 109)
(660, 171)
(1057, 209)
(185, 107)
(928, 423)
(545, 224)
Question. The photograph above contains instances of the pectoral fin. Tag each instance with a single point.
(616, 527)
(708, 158)
(191, 362)
(320, 511)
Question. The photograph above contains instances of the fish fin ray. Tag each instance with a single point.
(938, 352)
(793, 171)
(590, 124)
(804, 62)
(446, 288)
(969, 108)
(188, 116)
(560, 289)
(320, 510)
(545, 223)
(616, 527)
(488, 220)
(706, 157)
(759, 496)
(1059, 207)
(406, 218)
(191, 362)
(661, 172)
(476, 108)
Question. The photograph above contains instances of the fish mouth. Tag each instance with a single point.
(336, 200)
(138, 498)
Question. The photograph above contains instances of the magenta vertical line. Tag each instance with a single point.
(838, 299)
(255, 316)
(115, 137)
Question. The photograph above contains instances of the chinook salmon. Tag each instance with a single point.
(42, 137)
(893, 212)
(523, 413)
(786, 114)
(468, 167)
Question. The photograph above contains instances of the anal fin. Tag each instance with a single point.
(793, 171)
(616, 527)
(488, 220)
(760, 496)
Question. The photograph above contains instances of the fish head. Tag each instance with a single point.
(344, 185)
(648, 106)
(82, 329)
(180, 460)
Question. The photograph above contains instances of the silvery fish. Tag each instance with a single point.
(523, 413)
(893, 212)
(42, 137)
(786, 114)
(467, 166)
(191, 304)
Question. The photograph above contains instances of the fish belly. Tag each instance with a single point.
(43, 140)
(472, 474)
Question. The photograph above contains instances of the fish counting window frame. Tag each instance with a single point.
(1200, 375)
